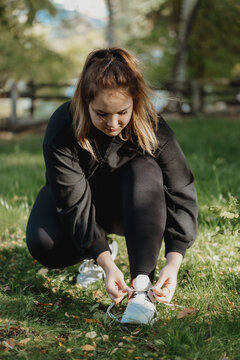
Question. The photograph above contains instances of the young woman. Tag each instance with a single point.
(114, 166)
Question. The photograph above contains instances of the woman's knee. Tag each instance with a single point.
(38, 242)
(145, 169)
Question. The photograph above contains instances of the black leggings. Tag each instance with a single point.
(129, 201)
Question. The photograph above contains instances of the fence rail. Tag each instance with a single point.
(213, 96)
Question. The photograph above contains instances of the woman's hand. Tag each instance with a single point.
(115, 285)
(165, 286)
(114, 281)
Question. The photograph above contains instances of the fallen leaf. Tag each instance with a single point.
(113, 351)
(59, 302)
(71, 292)
(151, 347)
(132, 349)
(129, 338)
(9, 343)
(186, 312)
(42, 271)
(89, 321)
(97, 294)
(60, 344)
(68, 350)
(91, 334)
(105, 337)
(42, 304)
(6, 288)
(88, 347)
(71, 316)
(24, 341)
(136, 331)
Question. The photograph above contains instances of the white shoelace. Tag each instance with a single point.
(112, 316)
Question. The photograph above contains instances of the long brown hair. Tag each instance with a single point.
(114, 68)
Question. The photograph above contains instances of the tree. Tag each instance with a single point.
(25, 54)
(187, 18)
(110, 31)
(153, 28)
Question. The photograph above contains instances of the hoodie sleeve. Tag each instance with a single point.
(72, 193)
(180, 193)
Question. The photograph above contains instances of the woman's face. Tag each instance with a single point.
(111, 111)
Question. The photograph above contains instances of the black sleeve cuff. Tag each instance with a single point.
(98, 247)
(176, 246)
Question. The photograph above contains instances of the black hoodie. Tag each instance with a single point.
(68, 168)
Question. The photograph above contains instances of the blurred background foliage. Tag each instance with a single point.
(149, 28)
(25, 53)
(152, 27)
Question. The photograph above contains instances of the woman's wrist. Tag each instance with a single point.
(174, 259)
(105, 261)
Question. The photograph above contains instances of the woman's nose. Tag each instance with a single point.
(112, 121)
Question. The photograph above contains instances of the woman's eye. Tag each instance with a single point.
(101, 115)
(123, 113)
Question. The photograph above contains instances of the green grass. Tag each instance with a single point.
(44, 316)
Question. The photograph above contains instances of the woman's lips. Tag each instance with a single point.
(112, 129)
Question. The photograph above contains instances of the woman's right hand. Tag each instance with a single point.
(114, 281)
(115, 284)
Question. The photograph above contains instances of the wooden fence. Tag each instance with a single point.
(196, 97)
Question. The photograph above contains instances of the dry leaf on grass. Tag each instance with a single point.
(186, 312)
(9, 343)
(97, 294)
(105, 337)
(42, 271)
(132, 349)
(24, 341)
(72, 316)
(91, 334)
(89, 321)
(6, 288)
(59, 302)
(113, 351)
(42, 304)
(152, 347)
(88, 347)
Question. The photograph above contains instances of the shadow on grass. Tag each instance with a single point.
(47, 297)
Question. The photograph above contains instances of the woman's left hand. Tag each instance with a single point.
(165, 286)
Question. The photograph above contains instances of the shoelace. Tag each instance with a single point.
(112, 316)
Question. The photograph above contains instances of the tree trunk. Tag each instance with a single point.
(187, 17)
(110, 26)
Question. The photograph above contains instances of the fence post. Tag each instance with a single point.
(13, 117)
(32, 92)
(196, 92)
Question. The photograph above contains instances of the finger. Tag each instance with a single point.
(118, 299)
(157, 291)
(161, 281)
(123, 286)
(166, 291)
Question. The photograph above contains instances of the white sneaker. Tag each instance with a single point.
(89, 272)
(140, 308)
